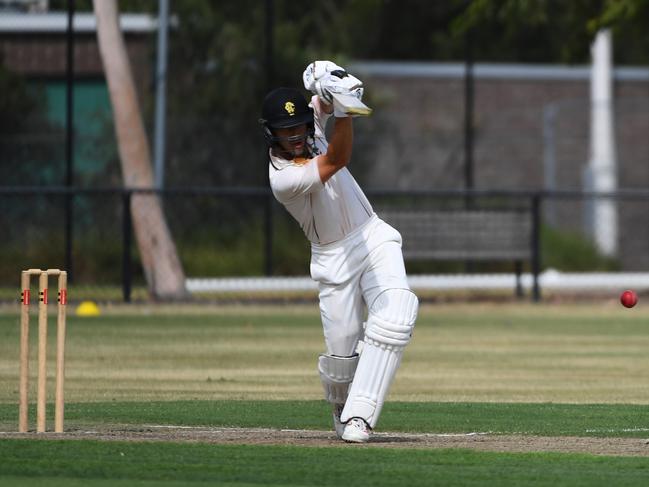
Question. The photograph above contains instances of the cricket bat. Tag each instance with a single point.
(350, 105)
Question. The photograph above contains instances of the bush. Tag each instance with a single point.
(571, 251)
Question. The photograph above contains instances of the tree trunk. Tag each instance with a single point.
(162, 268)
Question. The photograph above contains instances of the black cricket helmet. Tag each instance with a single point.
(285, 108)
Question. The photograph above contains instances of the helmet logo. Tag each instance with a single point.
(290, 108)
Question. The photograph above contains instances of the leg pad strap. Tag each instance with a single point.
(336, 373)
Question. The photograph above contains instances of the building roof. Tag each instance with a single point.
(532, 72)
(57, 22)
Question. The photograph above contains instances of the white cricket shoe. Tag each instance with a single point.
(356, 431)
(339, 426)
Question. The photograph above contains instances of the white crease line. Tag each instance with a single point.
(289, 430)
(452, 435)
(303, 431)
(623, 430)
(203, 429)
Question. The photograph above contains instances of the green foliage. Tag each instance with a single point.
(614, 12)
(628, 20)
(570, 251)
(552, 30)
(244, 259)
(218, 54)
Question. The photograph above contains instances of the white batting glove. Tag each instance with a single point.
(342, 83)
(315, 72)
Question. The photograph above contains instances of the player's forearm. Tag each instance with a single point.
(339, 151)
(342, 140)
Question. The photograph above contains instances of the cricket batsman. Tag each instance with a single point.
(356, 257)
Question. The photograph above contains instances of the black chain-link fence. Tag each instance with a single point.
(242, 232)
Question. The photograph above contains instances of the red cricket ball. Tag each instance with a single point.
(628, 299)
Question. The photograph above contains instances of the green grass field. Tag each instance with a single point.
(521, 371)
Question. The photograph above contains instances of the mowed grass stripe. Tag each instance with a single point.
(288, 465)
(463, 353)
(604, 420)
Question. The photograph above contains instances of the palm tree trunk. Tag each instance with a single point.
(162, 268)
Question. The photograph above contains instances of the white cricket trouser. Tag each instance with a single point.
(352, 273)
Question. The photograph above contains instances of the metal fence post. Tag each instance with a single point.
(69, 141)
(126, 246)
(518, 270)
(69, 234)
(536, 246)
(268, 230)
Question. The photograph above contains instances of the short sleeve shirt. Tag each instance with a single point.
(329, 211)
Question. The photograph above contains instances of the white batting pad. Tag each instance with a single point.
(392, 317)
(389, 328)
(374, 375)
(336, 373)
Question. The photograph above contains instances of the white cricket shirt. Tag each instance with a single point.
(326, 212)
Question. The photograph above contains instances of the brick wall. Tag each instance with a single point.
(415, 139)
(44, 55)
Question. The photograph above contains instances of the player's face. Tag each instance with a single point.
(292, 139)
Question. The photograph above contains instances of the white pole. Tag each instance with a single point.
(160, 101)
(603, 164)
